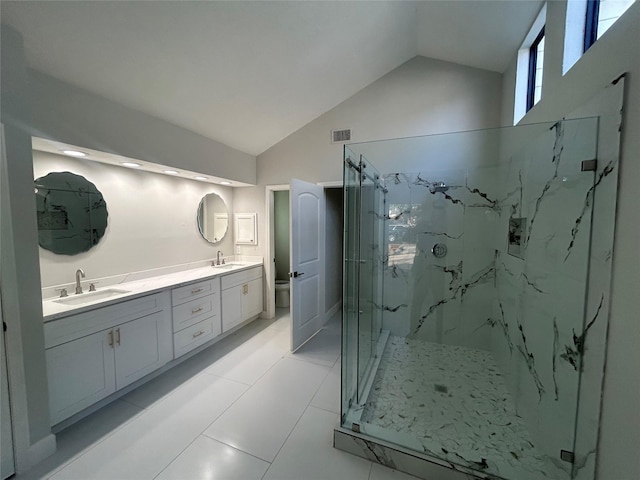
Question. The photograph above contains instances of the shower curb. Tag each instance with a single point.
(404, 460)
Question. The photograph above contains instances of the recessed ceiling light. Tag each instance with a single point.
(131, 164)
(200, 178)
(74, 153)
(225, 183)
(171, 172)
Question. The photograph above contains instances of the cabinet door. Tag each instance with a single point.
(80, 373)
(231, 307)
(142, 346)
(252, 299)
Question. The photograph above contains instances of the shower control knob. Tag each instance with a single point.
(439, 250)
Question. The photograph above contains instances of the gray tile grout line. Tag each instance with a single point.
(239, 449)
(370, 470)
(298, 359)
(145, 409)
(175, 458)
(89, 448)
(213, 439)
(209, 424)
(295, 425)
(218, 417)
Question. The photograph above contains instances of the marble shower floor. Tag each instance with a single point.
(455, 402)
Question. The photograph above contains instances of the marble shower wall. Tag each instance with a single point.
(445, 299)
(541, 280)
(516, 273)
(608, 106)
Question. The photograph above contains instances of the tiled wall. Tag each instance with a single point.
(520, 259)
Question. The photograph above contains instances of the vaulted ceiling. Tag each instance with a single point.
(248, 74)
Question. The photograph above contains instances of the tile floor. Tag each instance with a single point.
(244, 409)
(454, 401)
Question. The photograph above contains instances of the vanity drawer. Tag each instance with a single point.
(196, 335)
(239, 278)
(195, 311)
(195, 290)
(102, 318)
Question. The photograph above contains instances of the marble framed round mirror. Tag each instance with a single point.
(213, 218)
(71, 213)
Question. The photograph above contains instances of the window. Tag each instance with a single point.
(600, 15)
(536, 61)
(529, 68)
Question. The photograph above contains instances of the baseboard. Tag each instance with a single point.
(333, 310)
(41, 449)
(67, 422)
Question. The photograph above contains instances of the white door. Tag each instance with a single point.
(307, 260)
(6, 440)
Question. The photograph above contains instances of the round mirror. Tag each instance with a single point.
(71, 213)
(213, 218)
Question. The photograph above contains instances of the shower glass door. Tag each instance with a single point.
(350, 302)
(363, 264)
(370, 266)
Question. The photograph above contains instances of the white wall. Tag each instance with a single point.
(152, 221)
(614, 53)
(422, 96)
(333, 247)
(68, 114)
(22, 308)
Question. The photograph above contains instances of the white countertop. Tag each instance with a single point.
(52, 309)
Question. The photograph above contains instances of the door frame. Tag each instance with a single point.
(269, 266)
(269, 270)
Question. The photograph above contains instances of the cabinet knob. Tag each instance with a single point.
(196, 290)
(197, 310)
(245, 289)
(110, 338)
(117, 336)
(197, 334)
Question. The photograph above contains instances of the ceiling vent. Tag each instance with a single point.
(341, 136)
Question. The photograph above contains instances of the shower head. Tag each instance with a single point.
(438, 187)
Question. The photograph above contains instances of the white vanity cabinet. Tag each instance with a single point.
(92, 354)
(242, 296)
(196, 315)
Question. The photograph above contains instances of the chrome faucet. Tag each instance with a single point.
(218, 257)
(79, 272)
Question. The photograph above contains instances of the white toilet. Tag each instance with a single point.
(282, 293)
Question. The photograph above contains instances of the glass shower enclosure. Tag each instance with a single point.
(364, 203)
(467, 303)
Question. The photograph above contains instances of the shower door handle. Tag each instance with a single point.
(295, 274)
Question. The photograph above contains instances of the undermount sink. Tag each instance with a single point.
(225, 266)
(91, 297)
